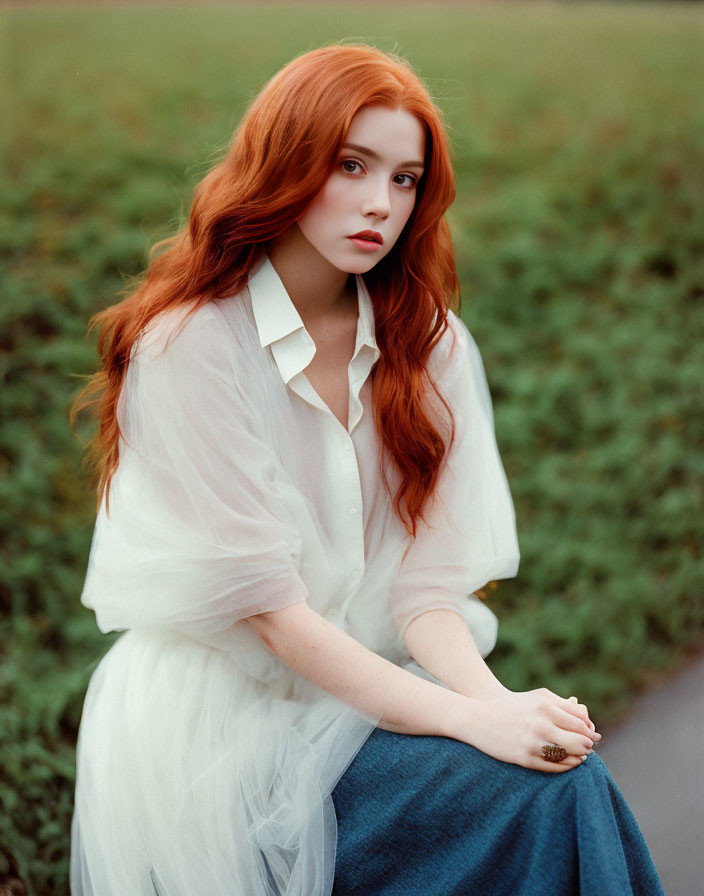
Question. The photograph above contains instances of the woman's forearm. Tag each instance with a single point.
(441, 642)
(510, 727)
(333, 660)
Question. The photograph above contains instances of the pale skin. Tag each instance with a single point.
(373, 187)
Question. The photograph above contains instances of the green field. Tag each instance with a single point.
(578, 133)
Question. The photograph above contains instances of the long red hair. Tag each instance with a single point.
(281, 154)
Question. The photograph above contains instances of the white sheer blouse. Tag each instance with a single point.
(238, 492)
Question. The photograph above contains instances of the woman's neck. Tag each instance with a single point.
(315, 286)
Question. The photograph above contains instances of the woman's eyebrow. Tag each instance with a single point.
(375, 155)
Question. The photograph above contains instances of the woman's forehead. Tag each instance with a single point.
(385, 132)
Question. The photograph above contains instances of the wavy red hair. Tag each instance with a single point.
(280, 156)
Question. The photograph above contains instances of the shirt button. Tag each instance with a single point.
(353, 510)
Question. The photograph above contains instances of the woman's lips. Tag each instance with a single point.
(368, 240)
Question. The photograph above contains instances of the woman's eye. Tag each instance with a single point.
(351, 166)
(408, 181)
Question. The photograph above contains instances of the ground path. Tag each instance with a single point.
(656, 756)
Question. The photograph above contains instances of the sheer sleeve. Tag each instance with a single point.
(201, 526)
(469, 537)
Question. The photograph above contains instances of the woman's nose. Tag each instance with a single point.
(377, 202)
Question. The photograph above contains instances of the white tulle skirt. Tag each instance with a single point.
(194, 777)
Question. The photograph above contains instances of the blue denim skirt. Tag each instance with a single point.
(430, 816)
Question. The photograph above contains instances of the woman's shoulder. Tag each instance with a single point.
(454, 349)
(193, 326)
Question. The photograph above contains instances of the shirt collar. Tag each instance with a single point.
(279, 324)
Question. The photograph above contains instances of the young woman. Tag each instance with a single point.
(300, 493)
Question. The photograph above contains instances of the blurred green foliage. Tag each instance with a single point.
(579, 228)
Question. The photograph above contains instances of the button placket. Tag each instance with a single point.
(353, 531)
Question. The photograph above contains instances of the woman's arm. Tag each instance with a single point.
(336, 662)
(512, 728)
(441, 642)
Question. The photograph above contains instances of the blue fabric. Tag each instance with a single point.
(430, 816)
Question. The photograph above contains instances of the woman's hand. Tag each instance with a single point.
(514, 727)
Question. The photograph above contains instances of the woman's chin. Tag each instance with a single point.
(359, 264)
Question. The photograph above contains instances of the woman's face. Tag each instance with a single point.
(359, 214)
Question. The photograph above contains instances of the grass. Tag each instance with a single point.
(578, 139)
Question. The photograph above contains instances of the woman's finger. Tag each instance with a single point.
(569, 722)
(568, 763)
(575, 744)
(572, 705)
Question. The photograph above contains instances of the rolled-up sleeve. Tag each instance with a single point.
(200, 531)
(469, 536)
